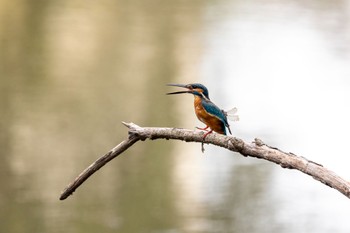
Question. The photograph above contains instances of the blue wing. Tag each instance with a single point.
(214, 110)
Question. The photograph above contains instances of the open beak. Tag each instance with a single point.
(179, 92)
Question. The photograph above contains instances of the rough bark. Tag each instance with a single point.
(255, 149)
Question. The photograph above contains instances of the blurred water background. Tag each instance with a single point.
(71, 71)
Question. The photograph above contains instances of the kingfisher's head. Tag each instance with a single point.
(193, 88)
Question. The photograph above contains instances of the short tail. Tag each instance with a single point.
(229, 130)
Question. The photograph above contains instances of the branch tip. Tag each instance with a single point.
(126, 124)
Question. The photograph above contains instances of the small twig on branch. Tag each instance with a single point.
(256, 149)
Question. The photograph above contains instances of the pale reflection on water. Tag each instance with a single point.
(71, 72)
(286, 68)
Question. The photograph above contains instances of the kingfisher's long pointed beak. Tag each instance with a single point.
(179, 92)
(177, 85)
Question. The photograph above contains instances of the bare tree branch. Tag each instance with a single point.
(256, 149)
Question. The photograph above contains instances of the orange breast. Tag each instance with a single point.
(214, 123)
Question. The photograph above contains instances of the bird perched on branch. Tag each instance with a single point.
(207, 112)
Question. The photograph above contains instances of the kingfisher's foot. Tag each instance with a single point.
(203, 128)
(206, 134)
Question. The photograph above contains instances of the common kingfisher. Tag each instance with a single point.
(207, 112)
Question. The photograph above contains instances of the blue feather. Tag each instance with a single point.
(214, 110)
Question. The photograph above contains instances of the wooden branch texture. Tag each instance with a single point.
(256, 149)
